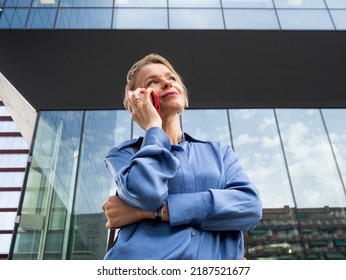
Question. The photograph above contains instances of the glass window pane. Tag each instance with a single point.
(250, 19)
(137, 130)
(336, 4)
(84, 18)
(336, 126)
(207, 125)
(45, 3)
(13, 18)
(305, 19)
(141, 3)
(247, 4)
(18, 3)
(65, 143)
(195, 19)
(299, 4)
(140, 19)
(41, 18)
(122, 131)
(194, 4)
(257, 143)
(86, 3)
(313, 171)
(336, 227)
(339, 18)
(95, 183)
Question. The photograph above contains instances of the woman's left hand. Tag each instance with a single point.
(120, 214)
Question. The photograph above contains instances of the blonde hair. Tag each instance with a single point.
(152, 59)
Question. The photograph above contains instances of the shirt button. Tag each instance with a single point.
(193, 233)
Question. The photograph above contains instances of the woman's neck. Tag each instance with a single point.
(173, 130)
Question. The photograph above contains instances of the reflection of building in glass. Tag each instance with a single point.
(287, 233)
(248, 71)
(87, 243)
(89, 239)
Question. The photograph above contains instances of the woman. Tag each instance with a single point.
(177, 197)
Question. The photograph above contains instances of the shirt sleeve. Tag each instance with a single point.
(142, 177)
(237, 206)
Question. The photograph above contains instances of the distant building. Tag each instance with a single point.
(13, 159)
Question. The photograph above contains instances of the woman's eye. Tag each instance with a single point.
(152, 82)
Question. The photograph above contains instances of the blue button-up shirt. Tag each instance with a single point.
(210, 198)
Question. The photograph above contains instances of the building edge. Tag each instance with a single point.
(23, 114)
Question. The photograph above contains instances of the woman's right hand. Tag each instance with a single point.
(143, 112)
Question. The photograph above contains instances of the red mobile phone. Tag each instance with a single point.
(154, 98)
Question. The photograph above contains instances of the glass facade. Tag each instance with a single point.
(296, 157)
(67, 182)
(174, 14)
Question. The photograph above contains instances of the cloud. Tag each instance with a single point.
(244, 139)
(265, 123)
(245, 113)
(268, 142)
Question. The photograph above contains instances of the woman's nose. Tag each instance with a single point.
(166, 84)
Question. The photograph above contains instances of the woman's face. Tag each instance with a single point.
(165, 84)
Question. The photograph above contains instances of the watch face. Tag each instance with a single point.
(158, 214)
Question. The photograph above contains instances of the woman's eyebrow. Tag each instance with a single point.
(156, 76)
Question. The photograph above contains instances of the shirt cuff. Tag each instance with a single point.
(189, 208)
(156, 136)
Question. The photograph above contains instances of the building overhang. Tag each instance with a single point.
(86, 69)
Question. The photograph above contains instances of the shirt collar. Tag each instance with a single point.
(137, 142)
(188, 138)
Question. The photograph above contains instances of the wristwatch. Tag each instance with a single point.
(159, 213)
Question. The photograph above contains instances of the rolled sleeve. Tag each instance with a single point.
(189, 208)
(156, 136)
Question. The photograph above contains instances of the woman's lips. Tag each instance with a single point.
(169, 94)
